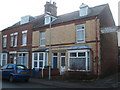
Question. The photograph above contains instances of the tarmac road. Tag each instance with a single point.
(22, 85)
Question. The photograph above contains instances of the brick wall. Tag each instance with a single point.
(109, 53)
(19, 41)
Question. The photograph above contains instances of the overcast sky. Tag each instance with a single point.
(11, 11)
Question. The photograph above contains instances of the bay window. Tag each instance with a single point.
(3, 59)
(39, 60)
(79, 60)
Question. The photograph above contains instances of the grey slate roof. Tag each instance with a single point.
(94, 11)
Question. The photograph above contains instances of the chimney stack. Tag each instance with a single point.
(51, 8)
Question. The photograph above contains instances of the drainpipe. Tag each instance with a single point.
(97, 54)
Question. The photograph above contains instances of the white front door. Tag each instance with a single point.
(62, 63)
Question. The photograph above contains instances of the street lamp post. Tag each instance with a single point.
(50, 52)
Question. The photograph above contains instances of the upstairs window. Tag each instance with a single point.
(42, 38)
(4, 41)
(49, 19)
(80, 33)
(83, 10)
(24, 38)
(14, 39)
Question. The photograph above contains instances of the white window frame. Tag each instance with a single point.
(83, 11)
(13, 37)
(24, 43)
(4, 41)
(86, 56)
(78, 40)
(44, 60)
(47, 19)
(11, 40)
(22, 56)
(1, 58)
(42, 38)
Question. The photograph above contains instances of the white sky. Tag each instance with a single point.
(11, 11)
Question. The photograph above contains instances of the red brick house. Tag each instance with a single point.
(17, 41)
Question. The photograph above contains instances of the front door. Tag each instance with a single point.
(62, 63)
(13, 58)
(55, 60)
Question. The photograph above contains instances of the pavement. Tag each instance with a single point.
(107, 82)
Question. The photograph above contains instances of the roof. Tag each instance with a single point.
(94, 11)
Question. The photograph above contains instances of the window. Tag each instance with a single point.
(3, 59)
(23, 59)
(39, 60)
(80, 33)
(4, 41)
(10, 67)
(80, 62)
(62, 59)
(24, 38)
(83, 10)
(14, 40)
(21, 67)
(42, 38)
(49, 19)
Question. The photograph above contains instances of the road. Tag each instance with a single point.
(22, 85)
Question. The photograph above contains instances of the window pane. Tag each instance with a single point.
(35, 56)
(15, 40)
(11, 41)
(73, 54)
(40, 56)
(42, 38)
(40, 64)
(24, 38)
(78, 63)
(62, 54)
(35, 64)
(54, 54)
(80, 35)
(62, 61)
(81, 54)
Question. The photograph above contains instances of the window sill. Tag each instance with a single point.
(24, 45)
(4, 47)
(42, 45)
(80, 42)
(80, 70)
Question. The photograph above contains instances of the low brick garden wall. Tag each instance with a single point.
(44, 73)
(76, 75)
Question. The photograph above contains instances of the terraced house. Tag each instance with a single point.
(73, 41)
(17, 41)
(68, 42)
